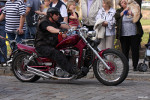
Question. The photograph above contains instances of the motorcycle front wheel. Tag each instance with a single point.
(118, 71)
(19, 70)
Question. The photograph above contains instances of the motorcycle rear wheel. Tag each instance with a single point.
(18, 68)
(118, 64)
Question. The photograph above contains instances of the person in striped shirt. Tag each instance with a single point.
(14, 14)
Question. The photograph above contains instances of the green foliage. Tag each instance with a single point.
(145, 22)
(145, 38)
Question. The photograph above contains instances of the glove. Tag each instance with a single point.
(63, 31)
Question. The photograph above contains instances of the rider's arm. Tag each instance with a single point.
(2, 17)
(52, 29)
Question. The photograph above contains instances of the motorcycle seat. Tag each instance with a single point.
(38, 54)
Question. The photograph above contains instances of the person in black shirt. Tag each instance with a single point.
(47, 38)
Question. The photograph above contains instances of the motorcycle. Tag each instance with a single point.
(110, 66)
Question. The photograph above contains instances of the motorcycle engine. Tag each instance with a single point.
(72, 55)
(60, 72)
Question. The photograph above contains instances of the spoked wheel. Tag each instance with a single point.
(19, 70)
(118, 68)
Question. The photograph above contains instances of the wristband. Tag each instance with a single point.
(60, 33)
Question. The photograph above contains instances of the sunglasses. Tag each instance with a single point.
(57, 14)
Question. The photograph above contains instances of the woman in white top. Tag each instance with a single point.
(107, 13)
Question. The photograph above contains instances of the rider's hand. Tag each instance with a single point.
(64, 31)
(64, 35)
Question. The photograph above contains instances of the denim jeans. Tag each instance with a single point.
(12, 36)
(2, 43)
(30, 32)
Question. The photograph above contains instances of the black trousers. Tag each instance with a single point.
(60, 58)
(133, 43)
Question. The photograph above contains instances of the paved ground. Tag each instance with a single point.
(135, 87)
(83, 89)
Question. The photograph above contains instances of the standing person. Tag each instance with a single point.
(64, 1)
(73, 18)
(107, 14)
(63, 10)
(127, 33)
(32, 6)
(14, 13)
(45, 8)
(47, 39)
(138, 24)
(90, 9)
(2, 33)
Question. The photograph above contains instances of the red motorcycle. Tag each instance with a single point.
(110, 66)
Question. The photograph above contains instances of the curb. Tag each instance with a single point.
(6, 71)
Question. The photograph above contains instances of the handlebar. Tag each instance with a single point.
(83, 31)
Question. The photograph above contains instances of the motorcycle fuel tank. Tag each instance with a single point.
(68, 42)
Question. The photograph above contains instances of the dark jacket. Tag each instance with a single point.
(44, 37)
(119, 24)
(138, 24)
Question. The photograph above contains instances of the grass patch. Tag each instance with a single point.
(145, 38)
(145, 21)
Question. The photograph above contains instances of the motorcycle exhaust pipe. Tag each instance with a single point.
(46, 75)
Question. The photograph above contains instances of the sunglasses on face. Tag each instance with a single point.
(57, 14)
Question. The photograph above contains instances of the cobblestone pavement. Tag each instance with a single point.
(135, 87)
(83, 89)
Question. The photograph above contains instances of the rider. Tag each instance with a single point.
(47, 38)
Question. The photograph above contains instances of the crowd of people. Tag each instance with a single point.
(21, 16)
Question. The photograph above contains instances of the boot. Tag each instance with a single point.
(135, 69)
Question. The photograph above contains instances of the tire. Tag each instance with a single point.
(19, 72)
(118, 64)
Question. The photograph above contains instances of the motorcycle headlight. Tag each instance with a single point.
(91, 33)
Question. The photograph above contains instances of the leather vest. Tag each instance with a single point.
(45, 37)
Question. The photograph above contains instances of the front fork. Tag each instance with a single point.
(95, 52)
(99, 57)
